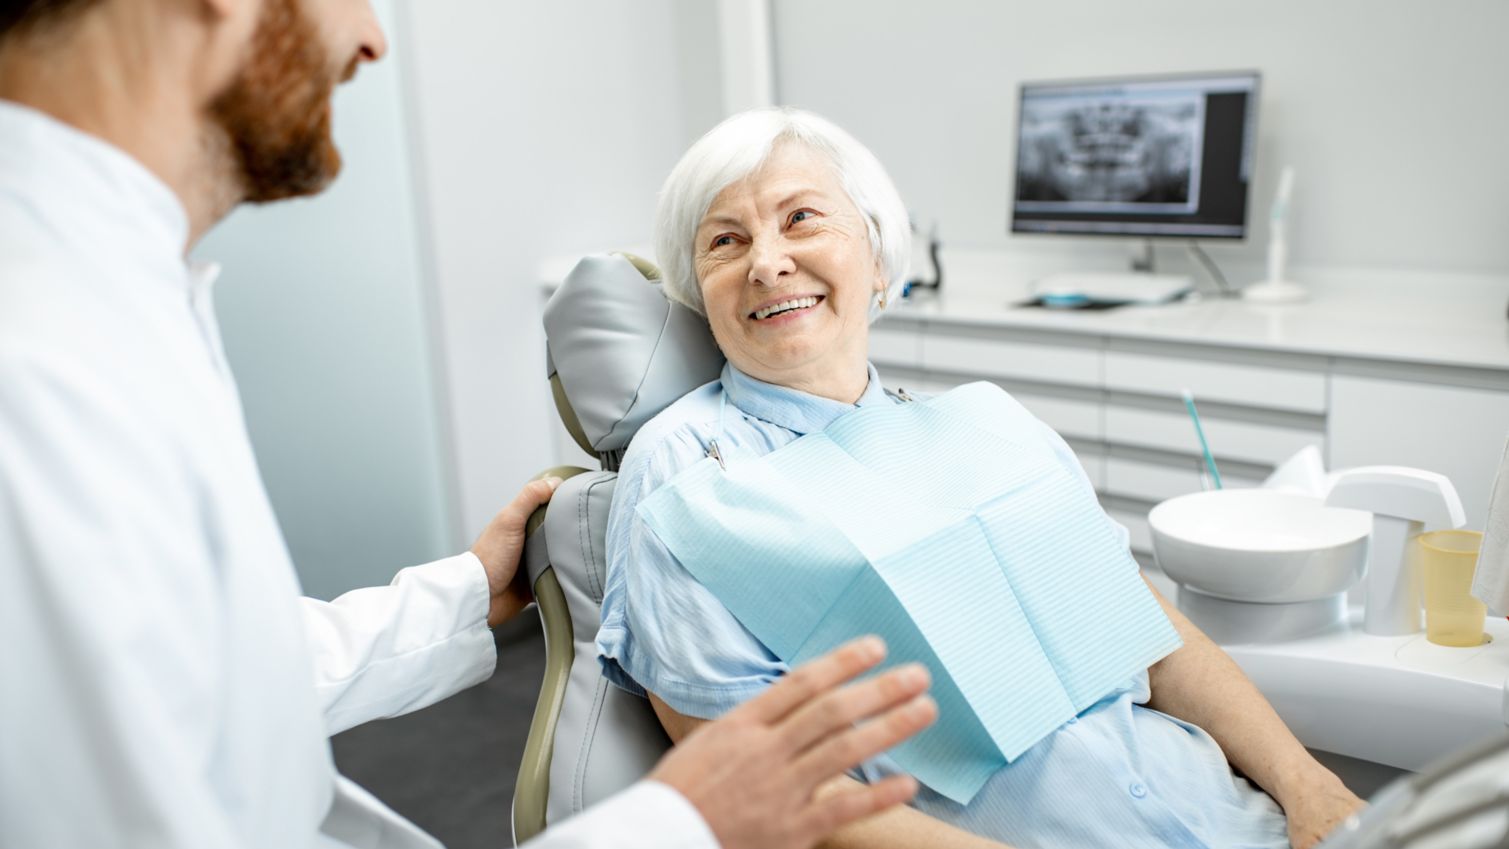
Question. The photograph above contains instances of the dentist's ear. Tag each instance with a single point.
(226, 31)
(221, 10)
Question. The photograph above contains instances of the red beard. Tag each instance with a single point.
(276, 113)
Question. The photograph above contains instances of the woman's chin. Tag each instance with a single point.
(786, 365)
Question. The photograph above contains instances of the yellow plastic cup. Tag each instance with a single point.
(1453, 617)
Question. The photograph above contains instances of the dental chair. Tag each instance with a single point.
(618, 352)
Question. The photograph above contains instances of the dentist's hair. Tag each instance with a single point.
(20, 16)
(737, 148)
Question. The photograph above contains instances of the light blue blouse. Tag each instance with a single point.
(1119, 774)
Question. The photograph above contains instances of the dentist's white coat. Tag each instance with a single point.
(162, 684)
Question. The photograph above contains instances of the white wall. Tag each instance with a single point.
(544, 130)
(323, 309)
(1393, 114)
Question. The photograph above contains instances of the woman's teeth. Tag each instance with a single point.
(785, 306)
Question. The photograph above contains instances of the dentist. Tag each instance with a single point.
(164, 685)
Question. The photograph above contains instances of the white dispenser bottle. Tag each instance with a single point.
(1277, 289)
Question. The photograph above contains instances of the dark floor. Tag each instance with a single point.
(451, 767)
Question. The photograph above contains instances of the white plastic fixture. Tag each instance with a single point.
(1259, 565)
(1403, 501)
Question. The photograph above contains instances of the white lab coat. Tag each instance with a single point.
(161, 682)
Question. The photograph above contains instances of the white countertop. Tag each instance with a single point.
(1437, 318)
(1440, 319)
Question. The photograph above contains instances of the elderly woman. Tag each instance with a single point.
(790, 237)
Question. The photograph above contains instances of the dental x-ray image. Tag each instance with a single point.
(1111, 153)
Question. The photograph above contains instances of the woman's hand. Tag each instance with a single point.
(1316, 806)
(500, 545)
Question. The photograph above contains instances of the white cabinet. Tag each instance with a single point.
(1073, 418)
(1158, 481)
(1117, 399)
(1230, 381)
(892, 344)
(1456, 431)
(1135, 521)
(1005, 356)
(1230, 436)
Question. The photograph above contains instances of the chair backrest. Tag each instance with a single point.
(619, 353)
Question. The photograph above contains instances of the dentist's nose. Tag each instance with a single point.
(769, 262)
(374, 42)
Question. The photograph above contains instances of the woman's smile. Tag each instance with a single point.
(785, 310)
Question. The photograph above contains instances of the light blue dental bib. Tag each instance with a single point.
(937, 525)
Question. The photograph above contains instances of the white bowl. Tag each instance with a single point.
(1259, 545)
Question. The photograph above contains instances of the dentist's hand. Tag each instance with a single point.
(754, 773)
(499, 547)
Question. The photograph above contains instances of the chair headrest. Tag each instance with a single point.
(619, 352)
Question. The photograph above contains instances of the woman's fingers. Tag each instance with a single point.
(835, 712)
(840, 751)
(836, 810)
(812, 679)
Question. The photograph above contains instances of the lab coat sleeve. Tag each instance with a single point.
(108, 619)
(649, 815)
(384, 651)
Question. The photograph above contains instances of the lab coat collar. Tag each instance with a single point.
(793, 409)
(95, 198)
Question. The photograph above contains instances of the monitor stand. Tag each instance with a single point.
(1139, 285)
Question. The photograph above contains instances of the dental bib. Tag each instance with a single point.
(952, 529)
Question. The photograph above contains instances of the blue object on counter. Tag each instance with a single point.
(1064, 302)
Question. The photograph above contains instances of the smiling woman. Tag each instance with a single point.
(788, 276)
(771, 146)
(789, 237)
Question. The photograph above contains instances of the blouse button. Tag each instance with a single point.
(1138, 790)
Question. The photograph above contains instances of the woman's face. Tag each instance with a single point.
(787, 275)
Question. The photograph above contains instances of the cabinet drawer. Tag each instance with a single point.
(1456, 431)
(1005, 358)
(1233, 383)
(1136, 525)
(1158, 482)
(1264, 444)
(900, 346)
(1071, 418)
(1093, 461)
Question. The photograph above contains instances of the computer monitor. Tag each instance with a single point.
(1157, 156)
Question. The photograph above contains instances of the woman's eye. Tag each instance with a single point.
(801, 215)
(723, 241)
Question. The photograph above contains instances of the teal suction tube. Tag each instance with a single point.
(1210, 461)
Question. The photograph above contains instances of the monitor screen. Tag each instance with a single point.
(1166, 156)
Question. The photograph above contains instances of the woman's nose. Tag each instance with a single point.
(769, 262)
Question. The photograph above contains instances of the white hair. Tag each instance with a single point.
(737, 148)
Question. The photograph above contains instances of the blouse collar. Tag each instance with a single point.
(793, 409)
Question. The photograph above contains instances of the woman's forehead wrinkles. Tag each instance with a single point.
(782, 195)
(720, 221)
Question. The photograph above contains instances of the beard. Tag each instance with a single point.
(275, 114)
